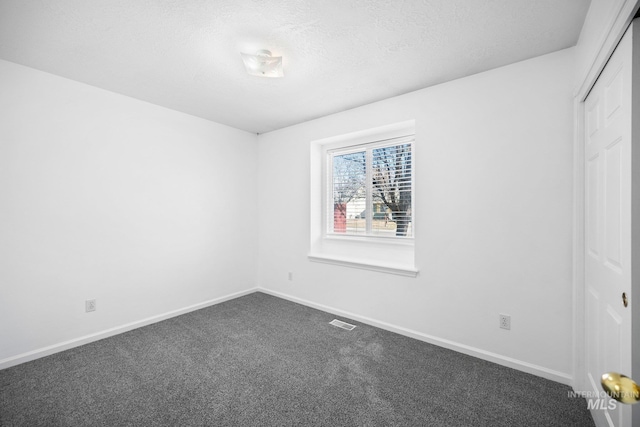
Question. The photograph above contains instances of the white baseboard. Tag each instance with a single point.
(520, 365)
(55, 348)
(462, 348)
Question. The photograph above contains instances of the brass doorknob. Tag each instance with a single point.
(621, 388)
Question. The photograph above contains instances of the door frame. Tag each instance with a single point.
(622, 16)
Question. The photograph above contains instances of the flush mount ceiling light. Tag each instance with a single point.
(263, 64)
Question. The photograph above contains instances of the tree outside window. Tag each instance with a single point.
(372, 190)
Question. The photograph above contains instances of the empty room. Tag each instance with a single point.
(336, 213)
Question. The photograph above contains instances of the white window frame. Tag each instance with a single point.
(329, 151)
(392, 255)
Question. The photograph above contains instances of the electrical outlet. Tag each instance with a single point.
(290, 276)
(90, 305)
(505, 321)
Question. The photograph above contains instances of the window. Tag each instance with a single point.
(370, 189)
(362, 199)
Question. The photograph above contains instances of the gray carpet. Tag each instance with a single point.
(263, 361)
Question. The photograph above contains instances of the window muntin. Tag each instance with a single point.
(370, 189)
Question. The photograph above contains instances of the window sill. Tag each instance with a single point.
(405, 241)
(398, 269)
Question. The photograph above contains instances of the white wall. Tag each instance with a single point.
(145, 209)
(493, 216)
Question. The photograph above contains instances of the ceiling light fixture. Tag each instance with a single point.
(263, 64)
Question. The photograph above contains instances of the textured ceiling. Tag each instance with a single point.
(338, 54)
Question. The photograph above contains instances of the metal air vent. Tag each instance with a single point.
(341, 324)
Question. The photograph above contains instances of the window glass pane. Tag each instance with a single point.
(349, 193)
(391, 171)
